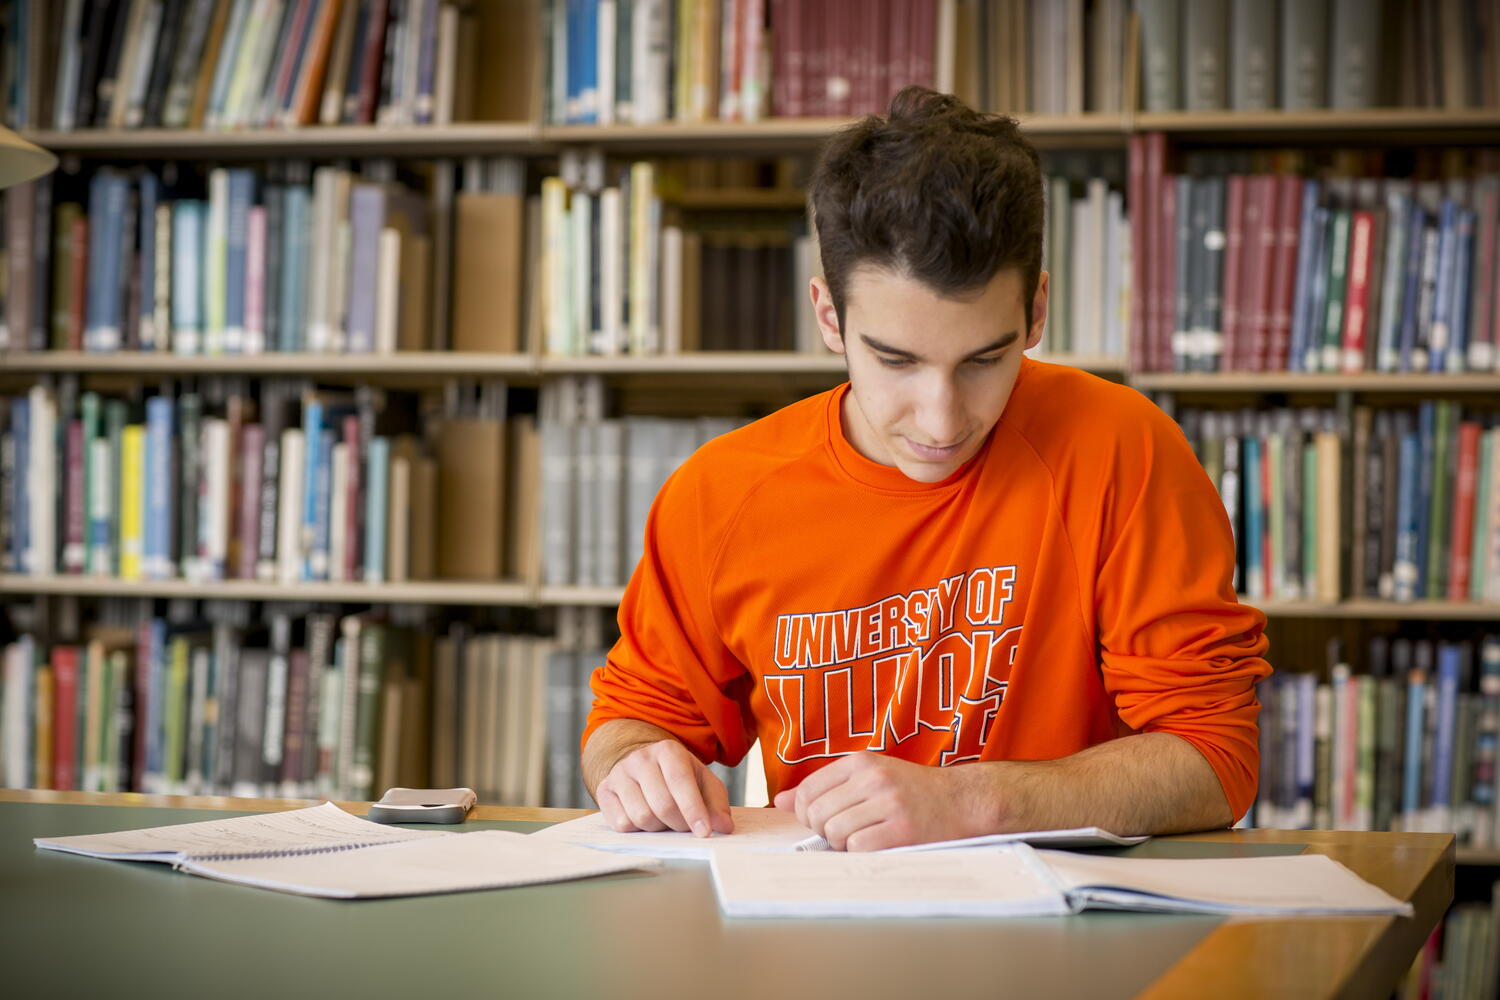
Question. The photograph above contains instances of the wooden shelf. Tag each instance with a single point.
(406, 363)
(762, 199)
(1306, 382)
(1322, 126)
(1370, 608)
(580, 597)
(1477, 856)
(424, 592)
(698, 363)
(410, 142)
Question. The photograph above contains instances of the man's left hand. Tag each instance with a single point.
(868, 801)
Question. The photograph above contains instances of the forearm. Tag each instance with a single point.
(612, 741)
(1151, 783)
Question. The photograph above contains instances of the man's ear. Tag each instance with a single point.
(1038, 312)
(827, 315)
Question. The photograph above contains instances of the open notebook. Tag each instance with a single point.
(324, 851)
(778, 830)
(1016, 880)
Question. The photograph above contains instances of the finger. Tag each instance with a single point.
(876, 837)
(786, 799)
(637, 809)
(839, 799)
(847, 825)
(817, 785)
(716, 798)
(614, 812)
(657, 789)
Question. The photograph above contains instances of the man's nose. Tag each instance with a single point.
(940, 413)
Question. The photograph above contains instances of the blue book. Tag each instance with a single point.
(1463, 289)
(1447, 720)
(1255, 582)
(189, 219)
(224, 70)
(323, 507)
(160, 490)
(312, 434)
(377, 483)
(1307, 259)
(20, 505)
(146, 300)
(1440, 336)
(296, 231)
(367, 212)
(574, 41)
(588, 89)
(1411, 777)
(1416, 241)
(108, 197)
(1307, 745)
(1404, 573)
(1427, 435)
(236, 254)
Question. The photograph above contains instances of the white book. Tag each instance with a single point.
(324, 851)
(671, 290)
(609, 488)
(612, 271)
(608, 15)
(581, 268)
(213, 514)
(215, 278)
(101, 504)
(650, 54)
(15, 713)
(446, 83)
(1017, 880)
(387, 290)
(41, 482)
(289, 516)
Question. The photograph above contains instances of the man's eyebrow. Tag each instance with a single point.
(1004, 341)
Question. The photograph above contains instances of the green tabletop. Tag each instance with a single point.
(75, 926)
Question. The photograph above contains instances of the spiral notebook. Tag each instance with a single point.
(324, 851)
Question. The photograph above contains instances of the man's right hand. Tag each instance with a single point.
(660, 785)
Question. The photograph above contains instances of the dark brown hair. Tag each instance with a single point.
(934, 191)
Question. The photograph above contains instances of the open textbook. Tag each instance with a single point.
(778, 830)
(324, 851)
(1015, 880)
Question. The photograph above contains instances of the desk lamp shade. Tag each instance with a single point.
(20, 161)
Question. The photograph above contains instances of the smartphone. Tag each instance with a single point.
(423, 805)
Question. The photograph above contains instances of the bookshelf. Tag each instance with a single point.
(422, 592)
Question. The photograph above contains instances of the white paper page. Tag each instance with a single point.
(754, 829)
(1000, 883)
(484, 859)
(1084, 836)
(314, 828)
(1303, 883)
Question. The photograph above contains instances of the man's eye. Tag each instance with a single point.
(986, 362)
(895, 362)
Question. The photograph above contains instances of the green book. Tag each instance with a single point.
(1440, 514)
(173, 711)
(1277, 571)
(1484, 501)
(1333, 308)
(116, 416)
(372, 648)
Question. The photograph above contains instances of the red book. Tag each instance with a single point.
(1140, 264)
(252, 460)
(65, 717)
(840, 47)
(287, 62)
(293, 743)
(1283, 272)
(353, 509)
(79, 278)
(731, 60)
(1357, 295)
(1260, 255)
(784, 34)
(923, 43)
(878, 21)
(757, 59)
(369, 77)
(1234, 254)
(1486, 312)
(814, 59)
(1460, 558)
(1165, 224)
(73, 542)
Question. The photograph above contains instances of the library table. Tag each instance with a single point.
(75, 926)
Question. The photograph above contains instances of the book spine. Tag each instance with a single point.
(376, 486)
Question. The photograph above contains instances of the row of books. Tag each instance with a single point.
(1407, 507)
(1460, 957)
(211, 484)
(648, 61)
(1086, 254)
(227, 264)
(1336, 274)
(1406, 743)
(207, 700)
(230, 64)
(599, 477)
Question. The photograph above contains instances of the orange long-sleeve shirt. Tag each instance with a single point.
(1069, 584)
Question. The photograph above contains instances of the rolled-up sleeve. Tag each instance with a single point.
(1180, 654)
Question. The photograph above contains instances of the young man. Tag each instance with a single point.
(964, 593)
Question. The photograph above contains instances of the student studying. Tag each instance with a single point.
(965, 593)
